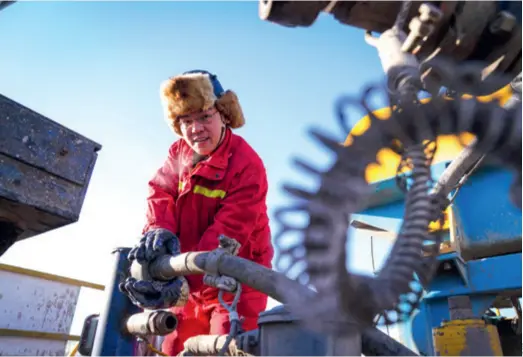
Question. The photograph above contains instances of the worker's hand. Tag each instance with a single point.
(153, 244)
(156, 294)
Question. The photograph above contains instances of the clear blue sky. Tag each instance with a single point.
(96, 68)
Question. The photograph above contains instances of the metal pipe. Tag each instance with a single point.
(167, 267)
(465, 160)
(110, 339)
(245, 271)
(270, 282)
(146, 323)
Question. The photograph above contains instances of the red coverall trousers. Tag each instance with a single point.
(200, 317)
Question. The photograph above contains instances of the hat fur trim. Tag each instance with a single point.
(229, 107)
(189, 93)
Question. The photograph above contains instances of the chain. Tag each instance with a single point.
(225, 283)
(233, 318)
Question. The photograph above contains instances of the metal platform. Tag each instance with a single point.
(45, 169)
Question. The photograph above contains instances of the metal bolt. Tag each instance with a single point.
(504, 22)
(420, 28)
(429, 13)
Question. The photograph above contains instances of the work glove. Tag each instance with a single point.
(155, 243)
(154, 295)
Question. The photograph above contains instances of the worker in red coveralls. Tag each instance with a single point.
(213, 183)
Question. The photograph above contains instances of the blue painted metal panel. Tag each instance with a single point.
(109, 340)
(484, 280)
(486, 275)
(489, 224)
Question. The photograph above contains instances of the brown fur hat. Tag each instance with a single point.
(198, 90)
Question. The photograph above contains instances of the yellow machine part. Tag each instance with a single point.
(435, 226)
(448, 146)
(457, 337)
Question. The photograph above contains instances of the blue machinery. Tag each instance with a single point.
(483, 255)
(110, 341)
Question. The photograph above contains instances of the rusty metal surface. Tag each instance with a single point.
(36, 188)
(487, 223)
(35, 305)
(40, 142)
(30, 219)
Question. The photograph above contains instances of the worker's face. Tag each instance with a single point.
(202, 130)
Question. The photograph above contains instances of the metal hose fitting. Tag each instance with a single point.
(148, 323)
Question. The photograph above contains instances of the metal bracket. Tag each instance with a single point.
(454, 260)
(227, 246)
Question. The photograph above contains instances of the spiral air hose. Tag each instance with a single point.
(320, 254)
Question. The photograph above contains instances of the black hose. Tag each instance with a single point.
(271, 283)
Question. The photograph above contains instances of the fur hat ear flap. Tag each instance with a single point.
(229, 106)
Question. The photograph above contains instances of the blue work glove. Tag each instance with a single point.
(155, 243)
(156, 294)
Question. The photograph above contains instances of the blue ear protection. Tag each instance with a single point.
(217, 87)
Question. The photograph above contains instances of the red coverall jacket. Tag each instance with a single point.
(224, 194)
